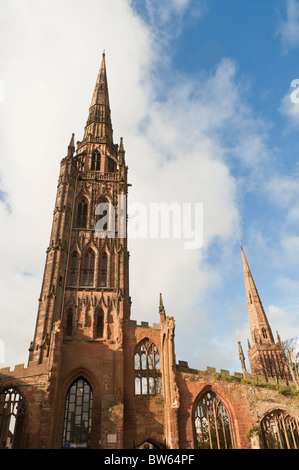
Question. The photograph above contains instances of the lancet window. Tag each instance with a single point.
(96, 162)
(69, 323)
(12, 415)
(82, 214)
(78, 415)
(73, 269)
(264, 333)
(147, 368)
(280, 431)
(212, 423)
(99, 324)
(103, 271)
(88, 268)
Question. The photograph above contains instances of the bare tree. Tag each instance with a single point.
(292, 345)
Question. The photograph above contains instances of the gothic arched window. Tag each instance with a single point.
(69, 323)
(280, 431)
(78, 415)
(73, 269)
(96, 162)
(103, 216)
(82, 214)
(88, 268)
(103, 271)
(12, 414)
(264, 332)
(212, 423)
(147, 369)
(99, 324)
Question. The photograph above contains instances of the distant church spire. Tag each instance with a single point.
(162, 310)
(259, 326)
(266, 357)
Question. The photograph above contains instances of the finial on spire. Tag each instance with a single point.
(121, 152)
(162, 310)
(161, 303)
(71, 147)
(241, 357)
(104, 53)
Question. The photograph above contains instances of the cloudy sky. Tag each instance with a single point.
(204, 95)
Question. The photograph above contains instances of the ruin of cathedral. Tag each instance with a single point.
(95, 378)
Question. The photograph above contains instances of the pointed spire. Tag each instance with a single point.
(121, 152)
(99, 124)
(241, 357)
(71, 147)
(100, 94)
(162, 310)
(259, 325)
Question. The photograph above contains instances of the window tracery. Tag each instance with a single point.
(12, 414)
(81, 221)
(96, 161)
(73, 269)
(78, 415)
(147, 368)
(280, 431)
(212, 423)
(88, 268)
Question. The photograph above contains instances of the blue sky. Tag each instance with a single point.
(200, 91)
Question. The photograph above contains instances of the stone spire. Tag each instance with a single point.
(259, 326)
(266, 357)
(241, 357)
(71, 147)
(99, 124)
(121, 152)
(162, 310)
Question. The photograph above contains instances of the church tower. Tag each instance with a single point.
(86, 271)
(84, 303)
(266, 357)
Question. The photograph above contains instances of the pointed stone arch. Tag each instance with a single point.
(149, 444)
(81, 217)
(78, 414)
(212, 421)
(147, 368)
(279, 430)
(88, 266)
(12, 418)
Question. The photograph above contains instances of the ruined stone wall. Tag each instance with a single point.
(247, 398)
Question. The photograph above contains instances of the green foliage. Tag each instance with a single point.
(255, 429)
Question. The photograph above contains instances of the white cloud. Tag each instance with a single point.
(284, 322)
(289, 28)
(175, 152)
